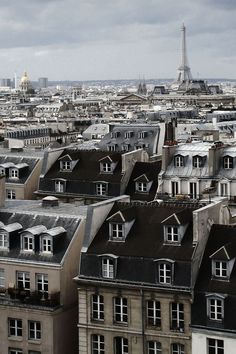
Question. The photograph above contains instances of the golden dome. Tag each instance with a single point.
(24, 78)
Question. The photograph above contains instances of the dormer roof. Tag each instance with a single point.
(122, 216)
(142, 178)
(106, 159)
(36, 230)
(224, 253)
(65, 158)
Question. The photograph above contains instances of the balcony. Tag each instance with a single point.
(27, 297)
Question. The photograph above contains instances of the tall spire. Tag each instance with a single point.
(184, 70)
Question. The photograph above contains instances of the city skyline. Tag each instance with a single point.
(89, 40)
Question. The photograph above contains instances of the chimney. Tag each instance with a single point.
(50, 202)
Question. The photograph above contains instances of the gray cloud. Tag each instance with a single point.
(91, 39)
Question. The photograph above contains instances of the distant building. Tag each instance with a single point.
(5, 82)
(43, 82)
(25, 84)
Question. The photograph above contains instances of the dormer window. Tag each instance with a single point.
(115, 134)
(28, 243)
(172, 233)
(228, 162)
(66, 165)
(141, 187)
(179, 161)
(46, 244)
(14, 173)
(111, 147)
(198, 161)
(142, 184)
(222, 262)
(60, 186)
(101, 188)
(109, 266)
(4, 241)
(2, 171)
(220, 269)
(142, 135)
(128, 135)
(106, 167)
(117, 231)
(215, 307)
(165, 271)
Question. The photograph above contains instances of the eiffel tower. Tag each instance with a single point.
(185, 75)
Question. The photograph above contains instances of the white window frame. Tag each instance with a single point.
(34, 330)
(106, 167)
(179, 161)
(123, 345)
(154, 313)
(28, 243)
(15, 325)
(215, 344)
(141, 187)
(4, 241)
(177, 348)
(46, 244)
(59, 186)
(108, 268)
(10, 194)
(98, 344)
(97, 307)
(65, 165)
(220, 269)
(193, 189)
(175, 188)
(117, 231)
(172, 234)
(165, 273)
(101, 188)
(41, 283)
(177, 316)
(154, 347)
(197, 161)
(120, 310)
(215, 308)
(2, 278)
(15, 351)
(224, 188)
(14, 173)
(23, 278)
(228, 162)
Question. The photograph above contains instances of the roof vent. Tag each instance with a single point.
(49, 202)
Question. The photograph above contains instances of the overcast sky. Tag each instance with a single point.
(116, 39)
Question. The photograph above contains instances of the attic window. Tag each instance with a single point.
(220, 269)
(172, 233)
(141, 187)
(46, 244)
(198, 161)
(106, 167)
(128, 135)
(142, 135)
(101, 188)
(14, 173)
(65, 165)
(179, 161)
(222, 262)
(228, 162)
(108, 266)
(165, 271)
(60, 186)
(28, 243)
(2, 171)
(117, 231)
(4, 241)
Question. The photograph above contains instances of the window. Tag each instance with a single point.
(2, 171)
(111, 147)
(97, 307)
(120, 309)
(23, 280)
(220, 269)
(28, 243)
(59, 186)
(172, 233)
(42, 283)
(15, 351)
(117, 231)
(10, 194)
(177, 316)
(179, 161)
(128, 135)
(215, 346)
(165, 273)
(98, 344)
(197, 161)
(2, 278)
(142, 135)
(215, 309)
(154, 313)
(228, 162)
(193, 190)
(108, 268)
(14, 327)
(34, 329)
(101, 188)
(46, 244)
(177, 348)
(14, 173)
(4, 241)
(154, 347)
(224, 190)
(65, 165)
(106, 167)
(121, 345)
(141, 186)
(174, 188)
